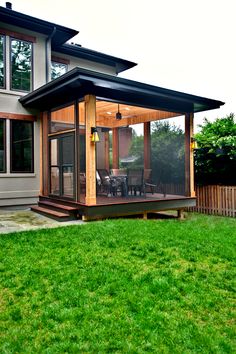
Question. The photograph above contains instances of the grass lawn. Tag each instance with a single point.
(123, 286)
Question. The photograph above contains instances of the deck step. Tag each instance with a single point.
(57, 215)
(59, 206)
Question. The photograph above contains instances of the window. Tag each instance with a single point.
(2, 61)
(21, 65)
(57, 69)
(21, 146)
(2, 146)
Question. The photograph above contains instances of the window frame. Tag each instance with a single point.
(11, 146)
(11, 38)
(4, 61)
(4, 146)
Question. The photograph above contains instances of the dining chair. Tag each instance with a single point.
(135, 181)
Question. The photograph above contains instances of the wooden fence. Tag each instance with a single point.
(216, 200)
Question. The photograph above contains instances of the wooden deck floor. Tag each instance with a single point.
(104, 199)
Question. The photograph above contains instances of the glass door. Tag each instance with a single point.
(62, 156)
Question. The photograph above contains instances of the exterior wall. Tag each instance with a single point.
(86, 64)
(21, 188)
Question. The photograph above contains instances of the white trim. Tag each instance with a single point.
(17, 175)
(13, 93)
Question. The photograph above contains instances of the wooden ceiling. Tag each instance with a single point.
(106, 114)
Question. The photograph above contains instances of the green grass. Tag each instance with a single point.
(123, 286)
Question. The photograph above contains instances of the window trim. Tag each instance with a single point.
(11, 142)
(32, 64)
(4, 62)
(4, 146)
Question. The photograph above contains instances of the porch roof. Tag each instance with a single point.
(78, 82)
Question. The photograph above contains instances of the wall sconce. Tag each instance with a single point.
(94, 135)
(193, 143)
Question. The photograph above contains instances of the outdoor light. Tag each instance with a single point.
(94, 135)
(193, 143)
(118, 114)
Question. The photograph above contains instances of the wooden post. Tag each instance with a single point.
(115, 148)
(44, 154)
(106, 148)
(147, 145)
(180, 214)
(90, 116)
(77, 151)
(189, 162)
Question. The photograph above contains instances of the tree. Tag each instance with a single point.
(167, 152)
(215, 158)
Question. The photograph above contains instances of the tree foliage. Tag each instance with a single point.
(215, 158)
(167, 152)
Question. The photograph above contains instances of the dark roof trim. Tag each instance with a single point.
(79, 82)
(92, 55)
(19, 19)
(62, 34)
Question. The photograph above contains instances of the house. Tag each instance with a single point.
(55, 96)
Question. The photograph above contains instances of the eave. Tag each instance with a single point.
(92, 55)
(62, 34)
(77, 83)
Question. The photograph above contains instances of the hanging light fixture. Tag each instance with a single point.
(94, 135)
(118, 114)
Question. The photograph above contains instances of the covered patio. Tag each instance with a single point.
(134, 168)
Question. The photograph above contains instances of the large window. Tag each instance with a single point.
(57, 69)
(21, 65)
(2, 62)
(2, 146)
(21, 146)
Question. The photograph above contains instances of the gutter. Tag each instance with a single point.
(48, 54)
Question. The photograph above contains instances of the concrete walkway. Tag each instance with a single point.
(22, 219)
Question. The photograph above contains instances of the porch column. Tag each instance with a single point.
(147, 145)
(106, 148)
(189, 162)
(115, 147)
(77, 151)
(44, 154)
(90, 115)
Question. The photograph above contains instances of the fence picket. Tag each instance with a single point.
(216, 200)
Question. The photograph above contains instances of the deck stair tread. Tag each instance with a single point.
(54, 213)
(57, 205)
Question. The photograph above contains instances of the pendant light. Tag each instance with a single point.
(118, 114)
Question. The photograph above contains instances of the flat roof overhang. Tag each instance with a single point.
(78, 82)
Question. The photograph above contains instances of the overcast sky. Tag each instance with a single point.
(185, 45)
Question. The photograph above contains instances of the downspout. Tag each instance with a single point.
(48, 54)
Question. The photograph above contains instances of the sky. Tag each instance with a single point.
(184, 45)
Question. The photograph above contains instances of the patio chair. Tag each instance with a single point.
(106, 184)
(118, 172)
(135, 181)
(148, 183)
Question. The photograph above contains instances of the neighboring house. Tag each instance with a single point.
(51, 94)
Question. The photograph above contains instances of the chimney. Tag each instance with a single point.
(9, 5)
